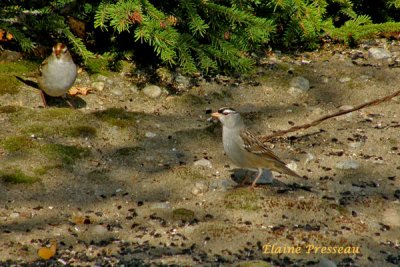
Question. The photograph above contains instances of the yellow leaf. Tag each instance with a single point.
(80, 220)
(79, 91)
(47, 253)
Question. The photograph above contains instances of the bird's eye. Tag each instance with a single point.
(226, 111)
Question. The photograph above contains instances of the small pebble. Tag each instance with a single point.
(116, 92)
(152, 91)
(14, 215)
(99, 86)
(203, 163)
(347, 165)
(199, 189)
(379, 53)
(150, 134)
(344, 79)
(299, 84)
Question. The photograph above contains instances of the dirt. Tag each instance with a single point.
(113, 182)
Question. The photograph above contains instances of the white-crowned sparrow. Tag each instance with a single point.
(245, 149)
(57, 72)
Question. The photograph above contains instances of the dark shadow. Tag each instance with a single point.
(76, 101)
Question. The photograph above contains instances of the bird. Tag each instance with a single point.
(244, 148)
(57, 73)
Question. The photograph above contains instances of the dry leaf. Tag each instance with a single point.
(80, 220)
(77, 26)
(47, 253)
(9, 36)
(79, 91)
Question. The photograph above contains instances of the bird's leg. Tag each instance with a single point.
(245, 179)
(68, 102)
(43, 98)
(256, 179)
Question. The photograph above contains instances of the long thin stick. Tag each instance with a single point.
(265, 138)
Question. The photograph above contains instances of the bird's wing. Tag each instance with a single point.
(255, 146)
(43, 65)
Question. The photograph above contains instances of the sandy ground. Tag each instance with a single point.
(114, 183)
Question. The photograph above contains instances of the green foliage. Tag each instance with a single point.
(16, 176)
(195, 35)
(30, 23)
(68, 155)
(16, 143)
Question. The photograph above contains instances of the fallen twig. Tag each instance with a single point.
(265, 138)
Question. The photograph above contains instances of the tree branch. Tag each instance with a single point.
(265, 138)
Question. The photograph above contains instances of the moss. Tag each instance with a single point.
(221, 95)
(9, 109)
(218, 229)
(187, 173)
(341, 209)
(241, 198)
(117, 117)
(191, 100)
(81, 131)
(17, 143)
(393, 141)
(255, 263)
(128, 151)
(18, 67)
(98, 65)
(67, 154)
(8, 85)
(8, 70)
(42, 170)
(59, 114)
(51, 115)
(16, 177)
(97, 176)
(183, 214)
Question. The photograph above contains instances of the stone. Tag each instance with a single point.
(150, 134)
(391, 216)
(10, 56)
(116, 92)
(165, 75)
(344, 79)
(310, 157)
(345, 107)
(222, 185)
(199, 189)
(101, 78)
(300, 83)
(99, 86)
(324, 262)
(182, 81)
(99, 230)
(324, 79)
(95, 233)
(347, 165)
(134, 89)
(379, 53)
(152, 91)
(203, 163)
(160, 206)
(14, 215)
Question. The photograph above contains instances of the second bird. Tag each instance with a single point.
(57, 73)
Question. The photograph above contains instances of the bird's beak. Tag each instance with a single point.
(57, 53)
(216, 115)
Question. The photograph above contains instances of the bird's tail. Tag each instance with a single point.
(282, 168)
